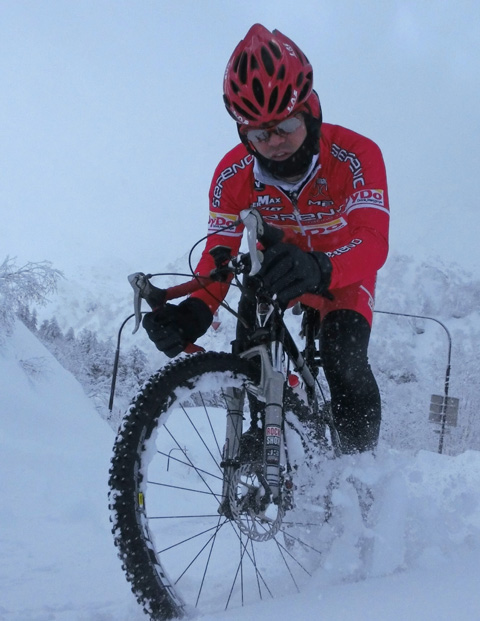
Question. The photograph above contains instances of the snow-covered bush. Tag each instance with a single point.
(19, 286)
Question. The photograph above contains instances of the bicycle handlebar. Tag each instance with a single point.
(155, 297)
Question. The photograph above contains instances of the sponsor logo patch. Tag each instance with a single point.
(267, 200)
(366, 197)
(343, 249)
(354, 163)
(217, 221)
(227, 173)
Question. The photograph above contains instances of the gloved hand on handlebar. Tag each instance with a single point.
(171, 327)
(290, 272)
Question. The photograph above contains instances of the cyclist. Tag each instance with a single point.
(324, 189)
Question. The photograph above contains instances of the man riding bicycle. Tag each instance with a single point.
(324, 189)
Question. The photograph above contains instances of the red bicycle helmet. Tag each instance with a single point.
(267, 79)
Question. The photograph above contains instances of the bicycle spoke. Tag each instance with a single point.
(217, 528)
(214, 435)
(201, 438)
(184, 489)
(239, 570)
(179, 543)
(207, 564)
(180, 517)
(189, 464)
(301, 541)
(251, 558)
(257, 577)
(209, 525)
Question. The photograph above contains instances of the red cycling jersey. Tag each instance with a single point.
(341, 209)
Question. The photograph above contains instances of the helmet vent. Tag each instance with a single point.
(281, 73)
(286, 99)
(276, 51)
(267, 61)
(250, 105)
(258, 91)
(273, 100)
(242, 68)
(305, 90)
(243, 112)
(235, 62)
(300, 79)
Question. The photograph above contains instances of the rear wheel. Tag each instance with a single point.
(186, 538)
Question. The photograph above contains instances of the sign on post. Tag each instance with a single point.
(441, 406)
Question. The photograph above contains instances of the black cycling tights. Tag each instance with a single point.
(344, 336)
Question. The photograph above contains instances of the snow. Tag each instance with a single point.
(417, 556)
(92, 140)
(57, 560)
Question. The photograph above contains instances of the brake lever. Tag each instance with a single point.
(138, 281)
(143, 289)
(254, 224)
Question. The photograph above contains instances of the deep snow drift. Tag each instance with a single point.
(417, 558)
(57, 559)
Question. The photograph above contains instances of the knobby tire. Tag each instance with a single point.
(165, 493)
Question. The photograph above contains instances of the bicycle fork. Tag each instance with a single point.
(270, 391)
(235, 398)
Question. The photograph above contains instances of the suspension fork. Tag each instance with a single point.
(270, 391)
(235, 398)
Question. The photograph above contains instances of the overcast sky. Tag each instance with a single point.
(112, 119)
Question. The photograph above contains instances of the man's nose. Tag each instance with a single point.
(275, 139)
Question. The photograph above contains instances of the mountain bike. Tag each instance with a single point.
(218, 488)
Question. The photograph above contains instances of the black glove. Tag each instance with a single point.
(290, 272)
(172, 327)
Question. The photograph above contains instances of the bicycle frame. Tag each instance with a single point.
(271, 343)
(223, 507)
(273, 346)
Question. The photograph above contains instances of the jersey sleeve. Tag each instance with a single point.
(367, 212)
(228, 195)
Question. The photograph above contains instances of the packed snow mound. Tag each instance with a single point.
(55, 535)
(415, 557)
(423, 528)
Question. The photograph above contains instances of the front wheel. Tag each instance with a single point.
(192, 528)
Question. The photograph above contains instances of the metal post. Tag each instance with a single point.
(447, 373)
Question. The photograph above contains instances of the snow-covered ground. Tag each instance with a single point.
(99, 168)
(58, 561)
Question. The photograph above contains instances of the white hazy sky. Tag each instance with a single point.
(112, 119)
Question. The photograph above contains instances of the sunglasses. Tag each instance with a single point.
(288, 126)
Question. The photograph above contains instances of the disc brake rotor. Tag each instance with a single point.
(256, 516)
